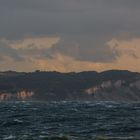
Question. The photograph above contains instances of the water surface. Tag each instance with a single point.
(76, 120)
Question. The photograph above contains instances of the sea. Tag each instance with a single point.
(79, 120)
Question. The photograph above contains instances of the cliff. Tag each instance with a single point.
(113, 85)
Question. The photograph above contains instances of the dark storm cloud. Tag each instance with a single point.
(89, 23)
(85, 50)
(90, 17)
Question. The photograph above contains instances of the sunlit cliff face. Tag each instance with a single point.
(115, 85)
(5, 96)
(21, 95)
(105, 85)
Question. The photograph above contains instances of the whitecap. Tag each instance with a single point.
(17, 120)
(9, 137)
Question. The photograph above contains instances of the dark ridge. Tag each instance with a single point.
(54, 85)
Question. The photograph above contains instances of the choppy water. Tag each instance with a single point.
(76, 120)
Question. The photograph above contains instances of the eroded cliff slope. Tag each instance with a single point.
(113, 85)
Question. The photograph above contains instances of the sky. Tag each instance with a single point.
(69, 35)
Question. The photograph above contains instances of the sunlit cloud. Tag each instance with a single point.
(129, 51)
(39, 56)
(64, 63)
(32, 42)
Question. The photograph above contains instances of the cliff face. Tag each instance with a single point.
(119, 90)
(107, 86)
(20, 95)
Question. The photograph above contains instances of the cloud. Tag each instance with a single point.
(39, 53)
(130, 48)
(84, 50)
(129, 51)
(86, 34)
(35, 53)
(128, 58)
(15, 51)
(34, 43)
(6, 52)
(64, 64)
(40, 56)
(67, 18)
(46, 47)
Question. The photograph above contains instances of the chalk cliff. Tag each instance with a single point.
(113, 85)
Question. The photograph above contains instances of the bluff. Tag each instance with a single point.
(112, 85)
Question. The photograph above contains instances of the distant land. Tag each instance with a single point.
(112, 85)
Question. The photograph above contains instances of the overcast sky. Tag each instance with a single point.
(69, 35)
